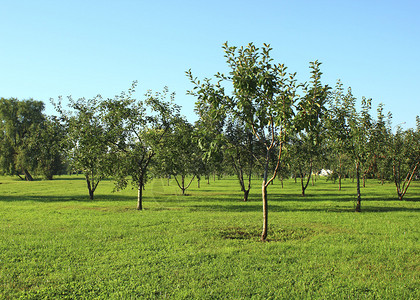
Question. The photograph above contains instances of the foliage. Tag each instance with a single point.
(87, 141)
(49, 142)
(210, 138)
(307, 146)
(243, 151)
(135, 130)
(24, 146)
(404, 156)
(181, 156)
(351, 130)
(263, 97)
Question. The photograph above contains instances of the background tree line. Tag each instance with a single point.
(267, 125)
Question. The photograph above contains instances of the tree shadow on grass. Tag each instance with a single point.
(281, 208)
(389, 209)
(335, 197)
(78, 198)
(258, 208)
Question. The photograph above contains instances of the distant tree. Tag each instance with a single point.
(48, 144)
(350, 130)
(308, 144)
(360, 124)
(135, 130)
(405, 158)
(209, 136)
(338, 131)
(181, 157)
(223, 137)
(302, 157)
(19, 122)
(241, 148)
(380, 141)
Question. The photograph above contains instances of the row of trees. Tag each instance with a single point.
(267, 124)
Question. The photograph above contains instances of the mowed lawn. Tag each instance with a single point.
(55, 243)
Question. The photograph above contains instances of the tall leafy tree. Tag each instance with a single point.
(19, 123)
(263, 97)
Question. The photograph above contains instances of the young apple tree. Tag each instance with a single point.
(263, 97)
(135, 131)
(87, 141)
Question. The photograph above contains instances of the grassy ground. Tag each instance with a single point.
(55, 243)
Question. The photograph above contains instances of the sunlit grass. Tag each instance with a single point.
(55, 243)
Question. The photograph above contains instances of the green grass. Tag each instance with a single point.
(55, 243)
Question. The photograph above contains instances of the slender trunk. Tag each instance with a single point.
(90, 189)
(183, 184)
(359, 197)
(302, 177)
(265, 211)
(339, 182)
(28, 176)
(339, 172)
(198, 181)
(140, 194)
(408, 180)
(240, 176)
(397, 181)
(264, 188)
(89, 185)
(246, 193)
(265, 201)
(302, 185)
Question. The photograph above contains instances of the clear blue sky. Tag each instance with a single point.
(84, 48)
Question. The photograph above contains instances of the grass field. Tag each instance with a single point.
(55, 243)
